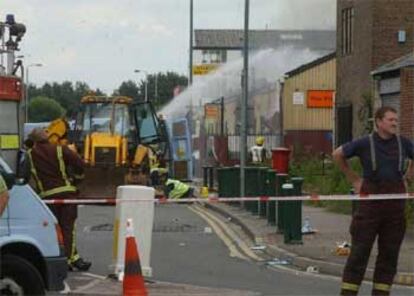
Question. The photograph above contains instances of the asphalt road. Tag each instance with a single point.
(186, 249)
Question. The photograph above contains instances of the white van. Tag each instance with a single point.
(32, 259)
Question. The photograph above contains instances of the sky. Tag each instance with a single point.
(101, 42)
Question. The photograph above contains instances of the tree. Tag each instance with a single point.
(43, 109)
(128, 88)
(67, 94)
(166, 82)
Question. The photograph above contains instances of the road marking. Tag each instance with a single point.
(93, 275)
(66, 290)
(242, 245)
(87, 286)
(234, 252)
(234, 238)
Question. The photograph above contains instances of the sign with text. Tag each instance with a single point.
(298, 98)
(9, 141)
(320, 98)
(204, 69)
(211, 111)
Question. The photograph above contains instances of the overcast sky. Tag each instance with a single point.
(101, 42)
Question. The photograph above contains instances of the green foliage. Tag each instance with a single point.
(366, 113)
(44, 109)
(323, 177)
(67, 94)
(163, 82)
(128, 88)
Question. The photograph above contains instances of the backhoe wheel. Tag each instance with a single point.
(19, 277)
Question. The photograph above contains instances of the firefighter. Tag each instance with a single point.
(49, 166)
(175, 189)
(4, 195)
(257, 152)
(382, 155)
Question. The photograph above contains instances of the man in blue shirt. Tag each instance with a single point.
(383, 156)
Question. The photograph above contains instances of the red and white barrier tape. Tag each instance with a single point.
(236, 199)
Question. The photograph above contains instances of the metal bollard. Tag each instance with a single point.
(277, 207)
(211, 177)
(292, 223)
(296, 211)
(270, 190)
(205, 176)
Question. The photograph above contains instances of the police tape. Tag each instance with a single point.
(213, 199)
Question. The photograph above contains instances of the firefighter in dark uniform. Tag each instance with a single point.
(383, 156)
(49, 166)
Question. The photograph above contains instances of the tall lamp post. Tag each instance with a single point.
(146, 84)
(27, 89)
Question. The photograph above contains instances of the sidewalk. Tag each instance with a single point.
(111, 287)
(317, 249)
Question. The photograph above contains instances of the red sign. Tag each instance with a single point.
(320, 98)
(211, 111)
(10, 88)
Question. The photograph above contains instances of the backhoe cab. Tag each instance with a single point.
(114, 137)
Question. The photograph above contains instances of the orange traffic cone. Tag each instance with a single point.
(133, 284)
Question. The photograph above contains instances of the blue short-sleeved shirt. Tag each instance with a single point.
(386, 153)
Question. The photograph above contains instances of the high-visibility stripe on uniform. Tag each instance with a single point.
(68, 187)
(179, 188)
(74, 255)
(34, 172)
(382, 287)
(350, 287)
(3, 186)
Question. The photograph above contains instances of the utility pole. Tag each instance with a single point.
(245, 96)
(190, 75)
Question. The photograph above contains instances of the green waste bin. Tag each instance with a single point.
(228, 182)
(292, 212)
(270, 190)
(276, 208)
(255, 178)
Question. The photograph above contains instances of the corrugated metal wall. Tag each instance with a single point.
(299, 116)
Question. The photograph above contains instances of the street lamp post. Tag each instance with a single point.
(146, 82)
(27, 101)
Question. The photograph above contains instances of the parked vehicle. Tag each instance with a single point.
(31, 244)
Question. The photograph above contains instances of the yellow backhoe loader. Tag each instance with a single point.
(114, 138)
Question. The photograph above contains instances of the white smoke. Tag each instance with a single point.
(265, 68)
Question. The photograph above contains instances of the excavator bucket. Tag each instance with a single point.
(101, 182)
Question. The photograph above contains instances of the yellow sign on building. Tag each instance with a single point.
(204, 69)
(9, 141)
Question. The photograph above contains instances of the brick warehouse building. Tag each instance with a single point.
(394, 86)
(370, 34)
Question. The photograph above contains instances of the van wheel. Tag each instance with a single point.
(19, 277)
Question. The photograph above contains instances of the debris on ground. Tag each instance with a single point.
(343, 249)
(307, 227)
(277, 261)
(312, 269)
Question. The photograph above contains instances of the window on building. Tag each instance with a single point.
(347, 30)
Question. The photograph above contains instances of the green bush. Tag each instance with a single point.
(43, 109)
(328, 179)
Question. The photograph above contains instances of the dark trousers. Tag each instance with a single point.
(383, 219)
(66, 215)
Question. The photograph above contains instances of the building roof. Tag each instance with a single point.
(233, 39)
(401, 62)
(312, 64)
